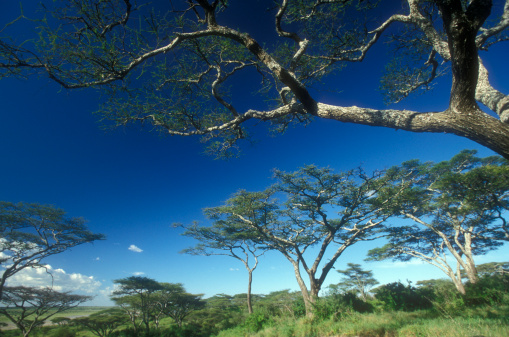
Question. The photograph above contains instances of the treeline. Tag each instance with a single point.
(226, 315)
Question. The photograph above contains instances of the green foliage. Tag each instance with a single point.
(63, 331)
(256, 321)
(456, 206)
(489, 290)
(357, 280)
(102, 323)
(311, 207)
(33, 306)
(31, 232)
(145, 300)
(417, 323)
(396, 296)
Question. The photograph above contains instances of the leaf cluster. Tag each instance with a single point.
(448, 201)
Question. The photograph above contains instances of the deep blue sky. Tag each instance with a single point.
(132, 184)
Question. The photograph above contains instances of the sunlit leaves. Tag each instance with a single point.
(457, 207)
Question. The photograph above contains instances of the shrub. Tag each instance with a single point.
(396, 296)
(63, 331)
(255, 321)
(490, 289)
(336, 305)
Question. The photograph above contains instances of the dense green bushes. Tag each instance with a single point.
(396, 296)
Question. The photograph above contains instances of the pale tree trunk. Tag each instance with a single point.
(250, 281)
(456, 279)
(308, 298)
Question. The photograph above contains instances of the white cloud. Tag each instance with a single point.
(97, 259)
(134, 248)
(57, 278)
(138, 273)
(234, 269)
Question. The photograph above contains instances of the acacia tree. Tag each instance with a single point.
(135, 294)
(229, 239)
(31, 232)
(304, 219)
(172, 300)
(457, 209)
(173, 69)
(102, 323)
(357, 279)
(29, 307)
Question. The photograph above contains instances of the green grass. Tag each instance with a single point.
(487, 321)
(481, 322)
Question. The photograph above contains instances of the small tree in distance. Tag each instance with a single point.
(229, 239)
(102, 323)
(145, 300)
(29, 307)
(357, 280)
(172, 300)
(135, 294)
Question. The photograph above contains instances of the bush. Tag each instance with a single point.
(172, 331)
(63, 331)
(255, 321)
(336, 305)
(396, 296)
(490, 289)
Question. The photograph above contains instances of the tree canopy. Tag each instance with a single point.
(102, 323)
(455, 207)
(135, 294)
(31, 232)
(145, 300)
(312, 207)
(174, 67)
(356, 279)
(226, 238)
(33, 306)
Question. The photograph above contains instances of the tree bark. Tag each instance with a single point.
(250, 281)
(308, 299)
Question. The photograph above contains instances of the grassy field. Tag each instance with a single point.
(486, 322)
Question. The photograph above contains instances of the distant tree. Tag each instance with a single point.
(61, 321)
(172, 300)
(356, 279)
(493, 268)
(221, 312)
(135, 294)
(130, 305)
(103, 323)
(29, 307)
(457, 207)
(303, 220)
(174, 66)
(31, 232)
(229, 239)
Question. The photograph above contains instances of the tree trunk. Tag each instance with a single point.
(456, 279)
(249, 304)
(459, 285)
(471, 270)
(308, 299)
